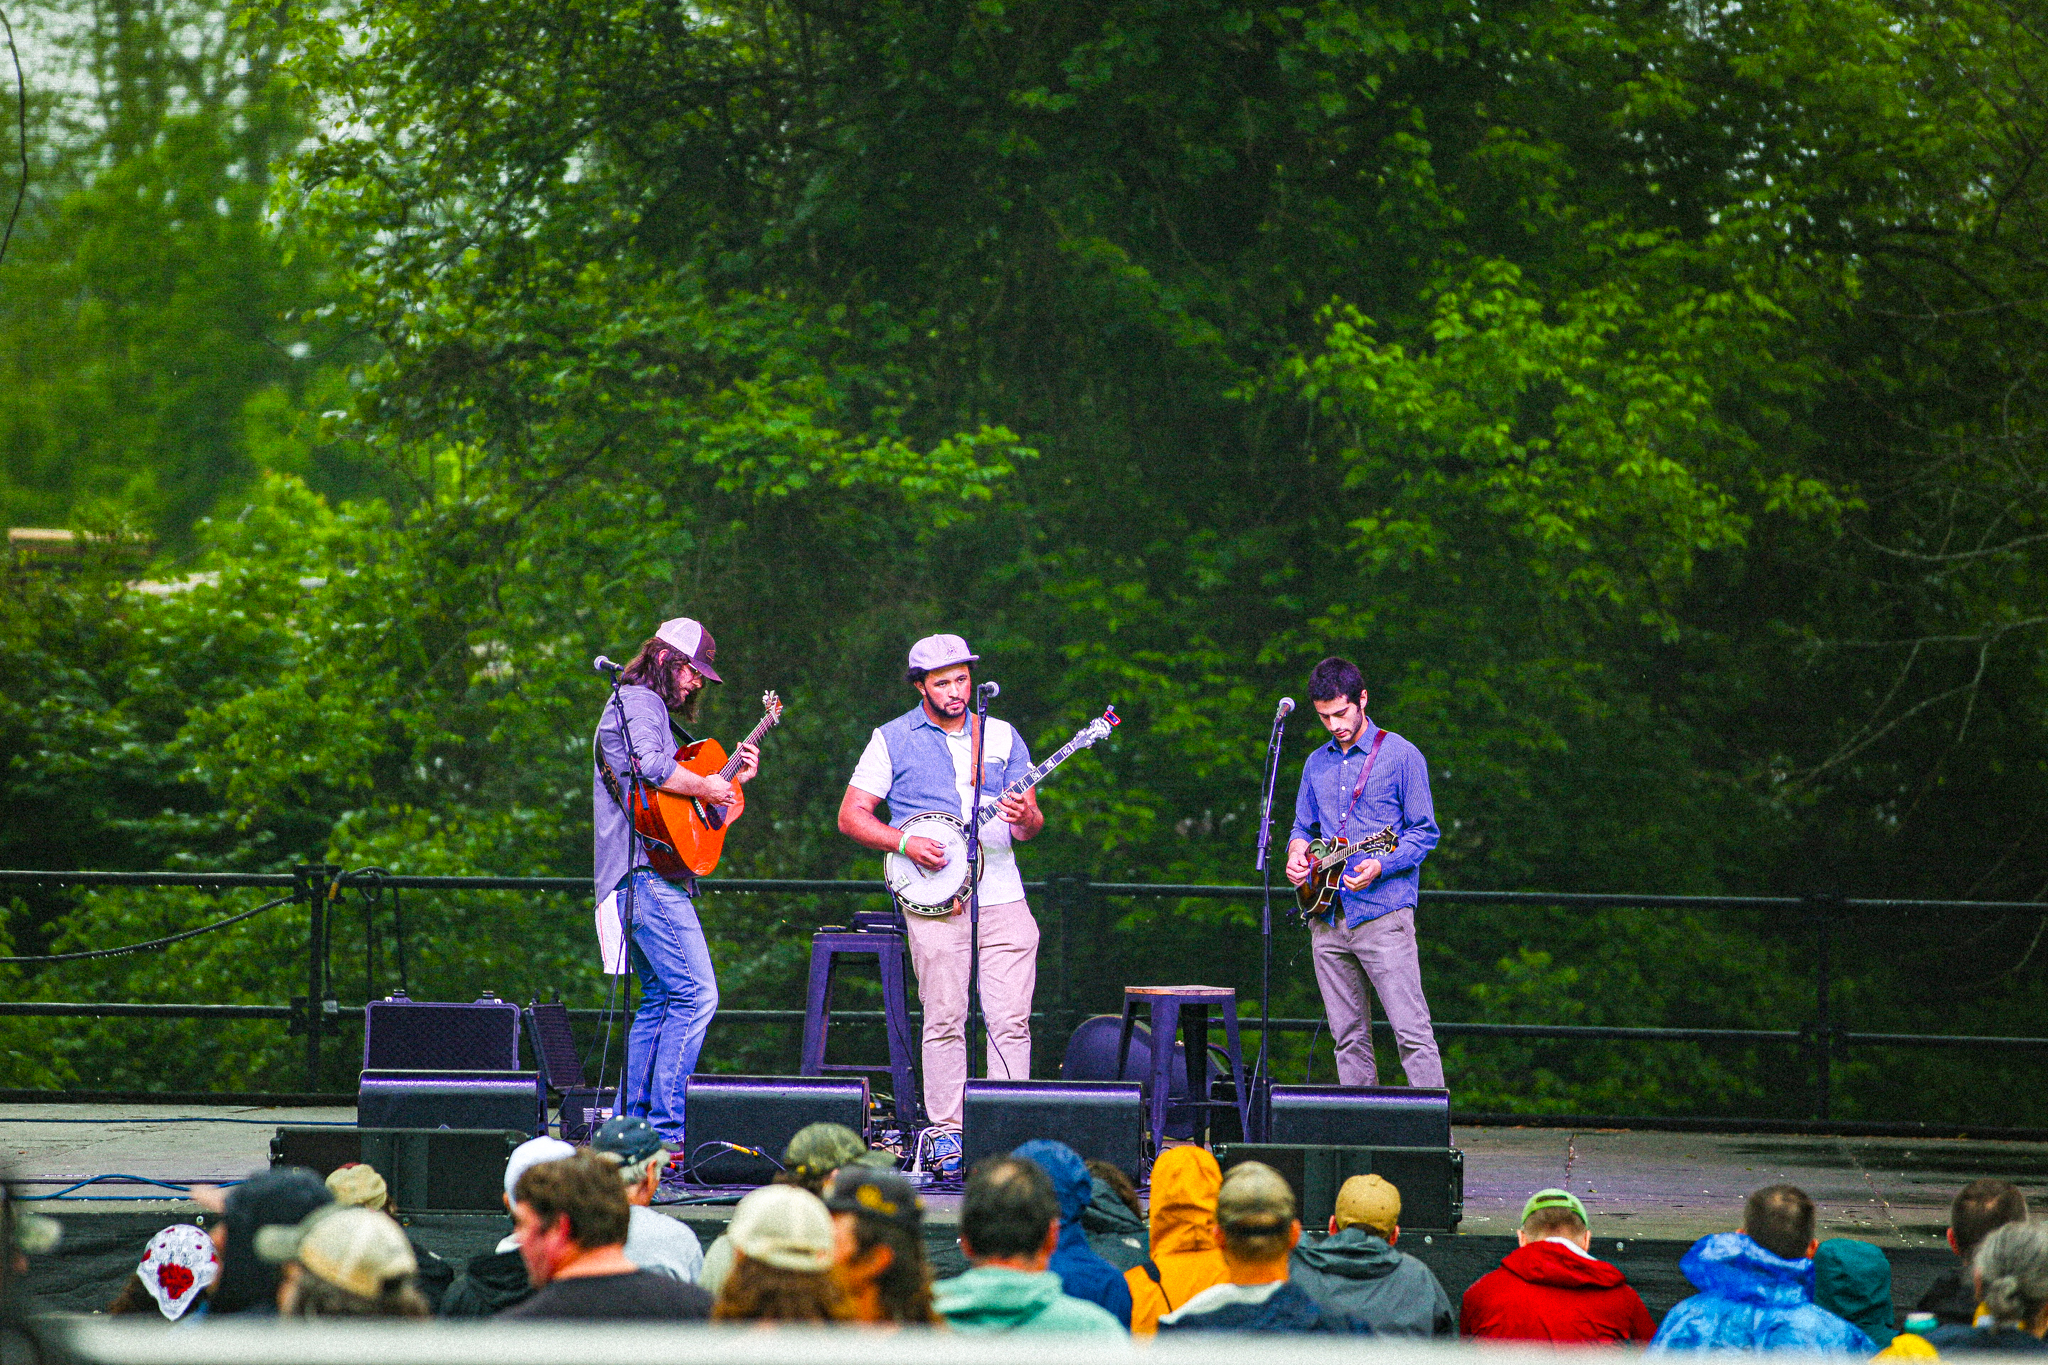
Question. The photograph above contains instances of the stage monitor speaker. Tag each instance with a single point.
(1098, 1119)
(1431, 1180)
(400, 1034)
(1361, 1116)
(762, 1113)
(426, 1170)
(452, 1099)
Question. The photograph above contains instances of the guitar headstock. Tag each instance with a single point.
(771, 706)
(1100, 727)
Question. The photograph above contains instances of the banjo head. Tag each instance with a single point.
(922, 892)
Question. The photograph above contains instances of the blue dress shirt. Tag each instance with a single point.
(1397, 795)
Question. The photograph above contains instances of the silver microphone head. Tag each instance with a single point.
(1286, 706)
(603, 665)
(991, 690)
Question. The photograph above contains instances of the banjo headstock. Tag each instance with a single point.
(1100, 727)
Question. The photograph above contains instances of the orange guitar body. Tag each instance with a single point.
(690, 834)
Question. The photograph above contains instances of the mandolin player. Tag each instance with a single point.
(1364, 780)
(923, 761)
(636, 742)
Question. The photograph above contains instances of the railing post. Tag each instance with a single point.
(314, 884)
(1823, 909)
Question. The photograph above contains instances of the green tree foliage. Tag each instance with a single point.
(1606, 381)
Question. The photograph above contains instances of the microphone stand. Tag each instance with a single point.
(974, 1017)
(618, 708)
(1262, 1079)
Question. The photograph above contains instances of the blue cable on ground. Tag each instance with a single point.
(65, 1193)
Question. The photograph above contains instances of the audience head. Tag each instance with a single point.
(1779, 1218)
(1112, 1175)
(816, 1151)
(1184, 1185)
(1369, 1203)
(178, 1265)
(1853, 1280)
(528, 1155)
(278, 1197)
(782, 1240)
(878, 1227)
(1255, 1219)
(344, 1263)
(358, 1186)
(1009, 1216)
(2011, 1269)
(564, 1209)
(1071, 1183)
(1555, 1213)
(637, 1150)
(1982, 1207)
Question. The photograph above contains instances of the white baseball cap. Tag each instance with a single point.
(694, 641)
(783, 1226)
(935, 652)
(530, 1154)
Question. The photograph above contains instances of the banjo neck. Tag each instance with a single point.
(1081, 740)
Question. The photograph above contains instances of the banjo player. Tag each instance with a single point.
(923, 761)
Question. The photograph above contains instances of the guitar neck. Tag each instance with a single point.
(1037, 774)
(732, 765)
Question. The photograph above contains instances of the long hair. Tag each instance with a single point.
(654, 668)
(757, 1292)
(312, 1297)
(906, 1286)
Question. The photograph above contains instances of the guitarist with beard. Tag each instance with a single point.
(679, 990)
(1366, 779)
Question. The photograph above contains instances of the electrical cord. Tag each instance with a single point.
(152, 943)
(127, 1179)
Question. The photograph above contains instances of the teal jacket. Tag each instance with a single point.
(991, 1299)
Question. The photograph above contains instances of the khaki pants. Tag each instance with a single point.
(1009, 976)
(1379, 952)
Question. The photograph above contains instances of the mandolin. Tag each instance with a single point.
(683, 834)
(1327, 859)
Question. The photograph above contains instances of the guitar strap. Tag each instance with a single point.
(612, 789)
(1372, 756)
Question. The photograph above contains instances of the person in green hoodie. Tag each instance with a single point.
(1009, 1225)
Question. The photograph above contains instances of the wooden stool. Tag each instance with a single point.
(876, 936)
(1185, 1009)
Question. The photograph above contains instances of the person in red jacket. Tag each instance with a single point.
(1551, 1287)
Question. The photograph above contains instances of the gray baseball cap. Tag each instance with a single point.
(935, 652)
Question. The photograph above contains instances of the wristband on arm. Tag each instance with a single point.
(903, 844)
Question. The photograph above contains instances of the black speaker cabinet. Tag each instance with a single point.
(1098, 1119)
(762, 1112)
(418, 1035)
(1361, 1116)
(1431, 1180)
(452, 1099)
(426, 1170)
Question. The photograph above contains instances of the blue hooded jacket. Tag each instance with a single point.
(1083, 1274)
(1752, 1300)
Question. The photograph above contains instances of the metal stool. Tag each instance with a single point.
(1185, 1010)
(879, 936)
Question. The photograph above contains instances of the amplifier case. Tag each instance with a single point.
(419, 1035)
(426, 1170)
(1431, 1179)
(762, 1112)
(1361, 1116)
(452, 1099)
(1104, 1119)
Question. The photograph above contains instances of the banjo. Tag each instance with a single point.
(936, 895)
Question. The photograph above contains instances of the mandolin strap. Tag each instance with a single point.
(1372, 756)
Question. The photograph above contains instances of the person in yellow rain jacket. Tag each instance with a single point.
(1185, 1259)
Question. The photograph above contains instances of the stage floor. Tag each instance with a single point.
(1650, 1193)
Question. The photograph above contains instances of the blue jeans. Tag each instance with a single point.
(678, 997)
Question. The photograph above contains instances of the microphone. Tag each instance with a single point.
(990, 690)
(1280, 712)
(604, 665)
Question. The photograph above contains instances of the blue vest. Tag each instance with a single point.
(921, 775)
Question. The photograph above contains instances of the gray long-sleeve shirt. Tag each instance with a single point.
(654, 744)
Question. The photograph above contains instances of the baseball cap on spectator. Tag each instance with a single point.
(629, 1140)
(876, 1194)
(357, 1249)
(819, 1149)
(530, 1154)
(694, 641)
(935, 652)
(1367, 1201)
(1254, 1197)
(358, 1186)
(785, 1227)
(1555, 1199)
(277, 1197)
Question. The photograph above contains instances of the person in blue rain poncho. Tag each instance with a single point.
(1756, 1287)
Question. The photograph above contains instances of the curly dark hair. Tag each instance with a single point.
(654, 668)
(757, 1292)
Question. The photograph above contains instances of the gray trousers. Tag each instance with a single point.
(1379, 952)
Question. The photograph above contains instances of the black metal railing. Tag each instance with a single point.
(316, 886)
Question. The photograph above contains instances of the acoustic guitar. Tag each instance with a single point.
(684, 835)
(1327, 859)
